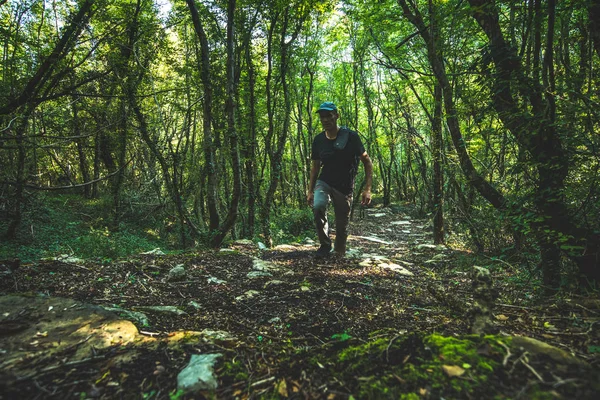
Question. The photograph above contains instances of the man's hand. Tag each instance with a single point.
(310, 197)
(366, 198)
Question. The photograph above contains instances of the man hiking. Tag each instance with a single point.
(335, 153)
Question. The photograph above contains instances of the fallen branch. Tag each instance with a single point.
(532, 370)
(508, 353)
(262, 382)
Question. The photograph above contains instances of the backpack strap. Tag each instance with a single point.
(342, 139)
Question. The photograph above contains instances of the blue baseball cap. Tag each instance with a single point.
(327, 106)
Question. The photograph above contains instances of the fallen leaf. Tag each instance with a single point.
(453, 370)
(549, 326)
(501, 317)
(282, 388)
(423, 392)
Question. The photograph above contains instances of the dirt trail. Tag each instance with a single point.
(287, 325)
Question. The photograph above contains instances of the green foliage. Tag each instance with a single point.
(106, 245)
(293, 224)
(69, 224)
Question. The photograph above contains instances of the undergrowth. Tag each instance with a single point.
(54, 225)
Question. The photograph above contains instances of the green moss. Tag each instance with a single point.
(368, 350)
(455, 351)
(417, 361)
(233, 371)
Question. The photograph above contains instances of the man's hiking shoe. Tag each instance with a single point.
(323, 252)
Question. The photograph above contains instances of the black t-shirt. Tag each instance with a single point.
(339, 167)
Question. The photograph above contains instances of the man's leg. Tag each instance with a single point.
(321, 200)
(342, 205)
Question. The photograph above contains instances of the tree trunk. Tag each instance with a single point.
(209, 151)
(228, 223)
(438, 179)
(83, 164)
(536, 133)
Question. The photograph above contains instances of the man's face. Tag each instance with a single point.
(328, 119)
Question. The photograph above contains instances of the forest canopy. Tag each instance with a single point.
(198, 117)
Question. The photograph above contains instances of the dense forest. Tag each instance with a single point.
(199, 116)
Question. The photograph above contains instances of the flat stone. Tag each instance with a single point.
(169, 310)
(286, 247)
(244, 242)
(396, 268)
(258, 274)
(248, 295)
(261, 265)
(374, 239)
(198, 374)
(216, 281)
(154, 252)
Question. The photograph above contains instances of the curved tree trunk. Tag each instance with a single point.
(209, 151)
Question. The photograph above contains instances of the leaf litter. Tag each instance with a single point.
(290, 326)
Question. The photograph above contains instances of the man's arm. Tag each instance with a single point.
(314, 172)
(368, 164)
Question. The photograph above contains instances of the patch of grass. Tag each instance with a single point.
(70, 224)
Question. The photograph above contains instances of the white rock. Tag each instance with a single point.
(400, 223)
(216, 281)
(257, 274)
(426, 246)
(262, 246)
(218, 336)
(374, 239)
(198, 374)
(285, 247)
(396, 268)
(248, 295)
(244, 242)
(155, 252)
(366, 263)
(261, 265)
(176, 273)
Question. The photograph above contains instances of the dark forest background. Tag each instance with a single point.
(132, 124)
